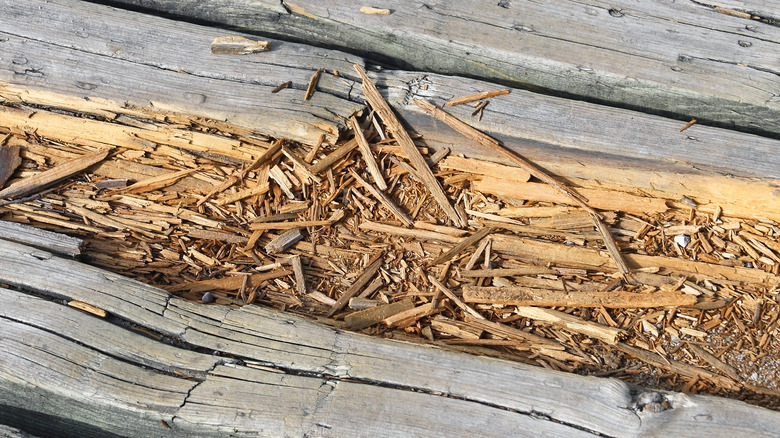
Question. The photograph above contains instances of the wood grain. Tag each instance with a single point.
(681, 58)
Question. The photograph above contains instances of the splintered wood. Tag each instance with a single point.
(380, 233)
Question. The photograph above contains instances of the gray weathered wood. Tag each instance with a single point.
(55, 242)
(10, 432)
(319, 374)
(682, 58)
(80, 49)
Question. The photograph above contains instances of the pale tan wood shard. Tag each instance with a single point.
(487, 168)
(237, 45)
(384, 111)
(526, 296)
(601, 199)
(373, 266)
(48, 177)
(384, 200)
(477, 96)
(368, 156)
(610, 335)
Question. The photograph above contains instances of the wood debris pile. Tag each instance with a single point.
(380, 234)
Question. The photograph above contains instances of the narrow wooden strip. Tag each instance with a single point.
(335, 217)
(301, 166)
(221, 236)
(312, 84)
(396, 128)
(325, 163)
(408, 232)
(265, 157)
(477, 96)
(508, 332)
(384, 200)
(604, 333)
(237, 45)
(368, 156)
(86, 307)
(373, 266)
(156, 182)
(451, 295)
(506, 272)
(481, 167)
(411, 314)
(314, 149)
(463, 244)
(281, 87)
(53, 175)
(527, 296)
(601, 199)
(300, 279)
(374, 315)
(229, 283)
(726, 369)
(243, 194)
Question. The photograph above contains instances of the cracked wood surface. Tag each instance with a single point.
(684, 58)
(68, 53)
(248, 371)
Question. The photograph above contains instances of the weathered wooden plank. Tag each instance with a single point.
(10, 432)
(680, 58)
(624, 150)
(103, 336)
(84, 46)
(24, 266)
(47, 240)
(290, 344)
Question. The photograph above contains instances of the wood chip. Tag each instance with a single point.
(368, 273)
(374, 11)
(89, 308)
(55, 174)
(374, 315)
(477, 96)
(237, 45)
(312, 84)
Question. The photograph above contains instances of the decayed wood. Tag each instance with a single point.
(533, 170)
(284, 343)
(694, 49)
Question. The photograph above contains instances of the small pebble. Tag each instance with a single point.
(682, 239)
(208, 297)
